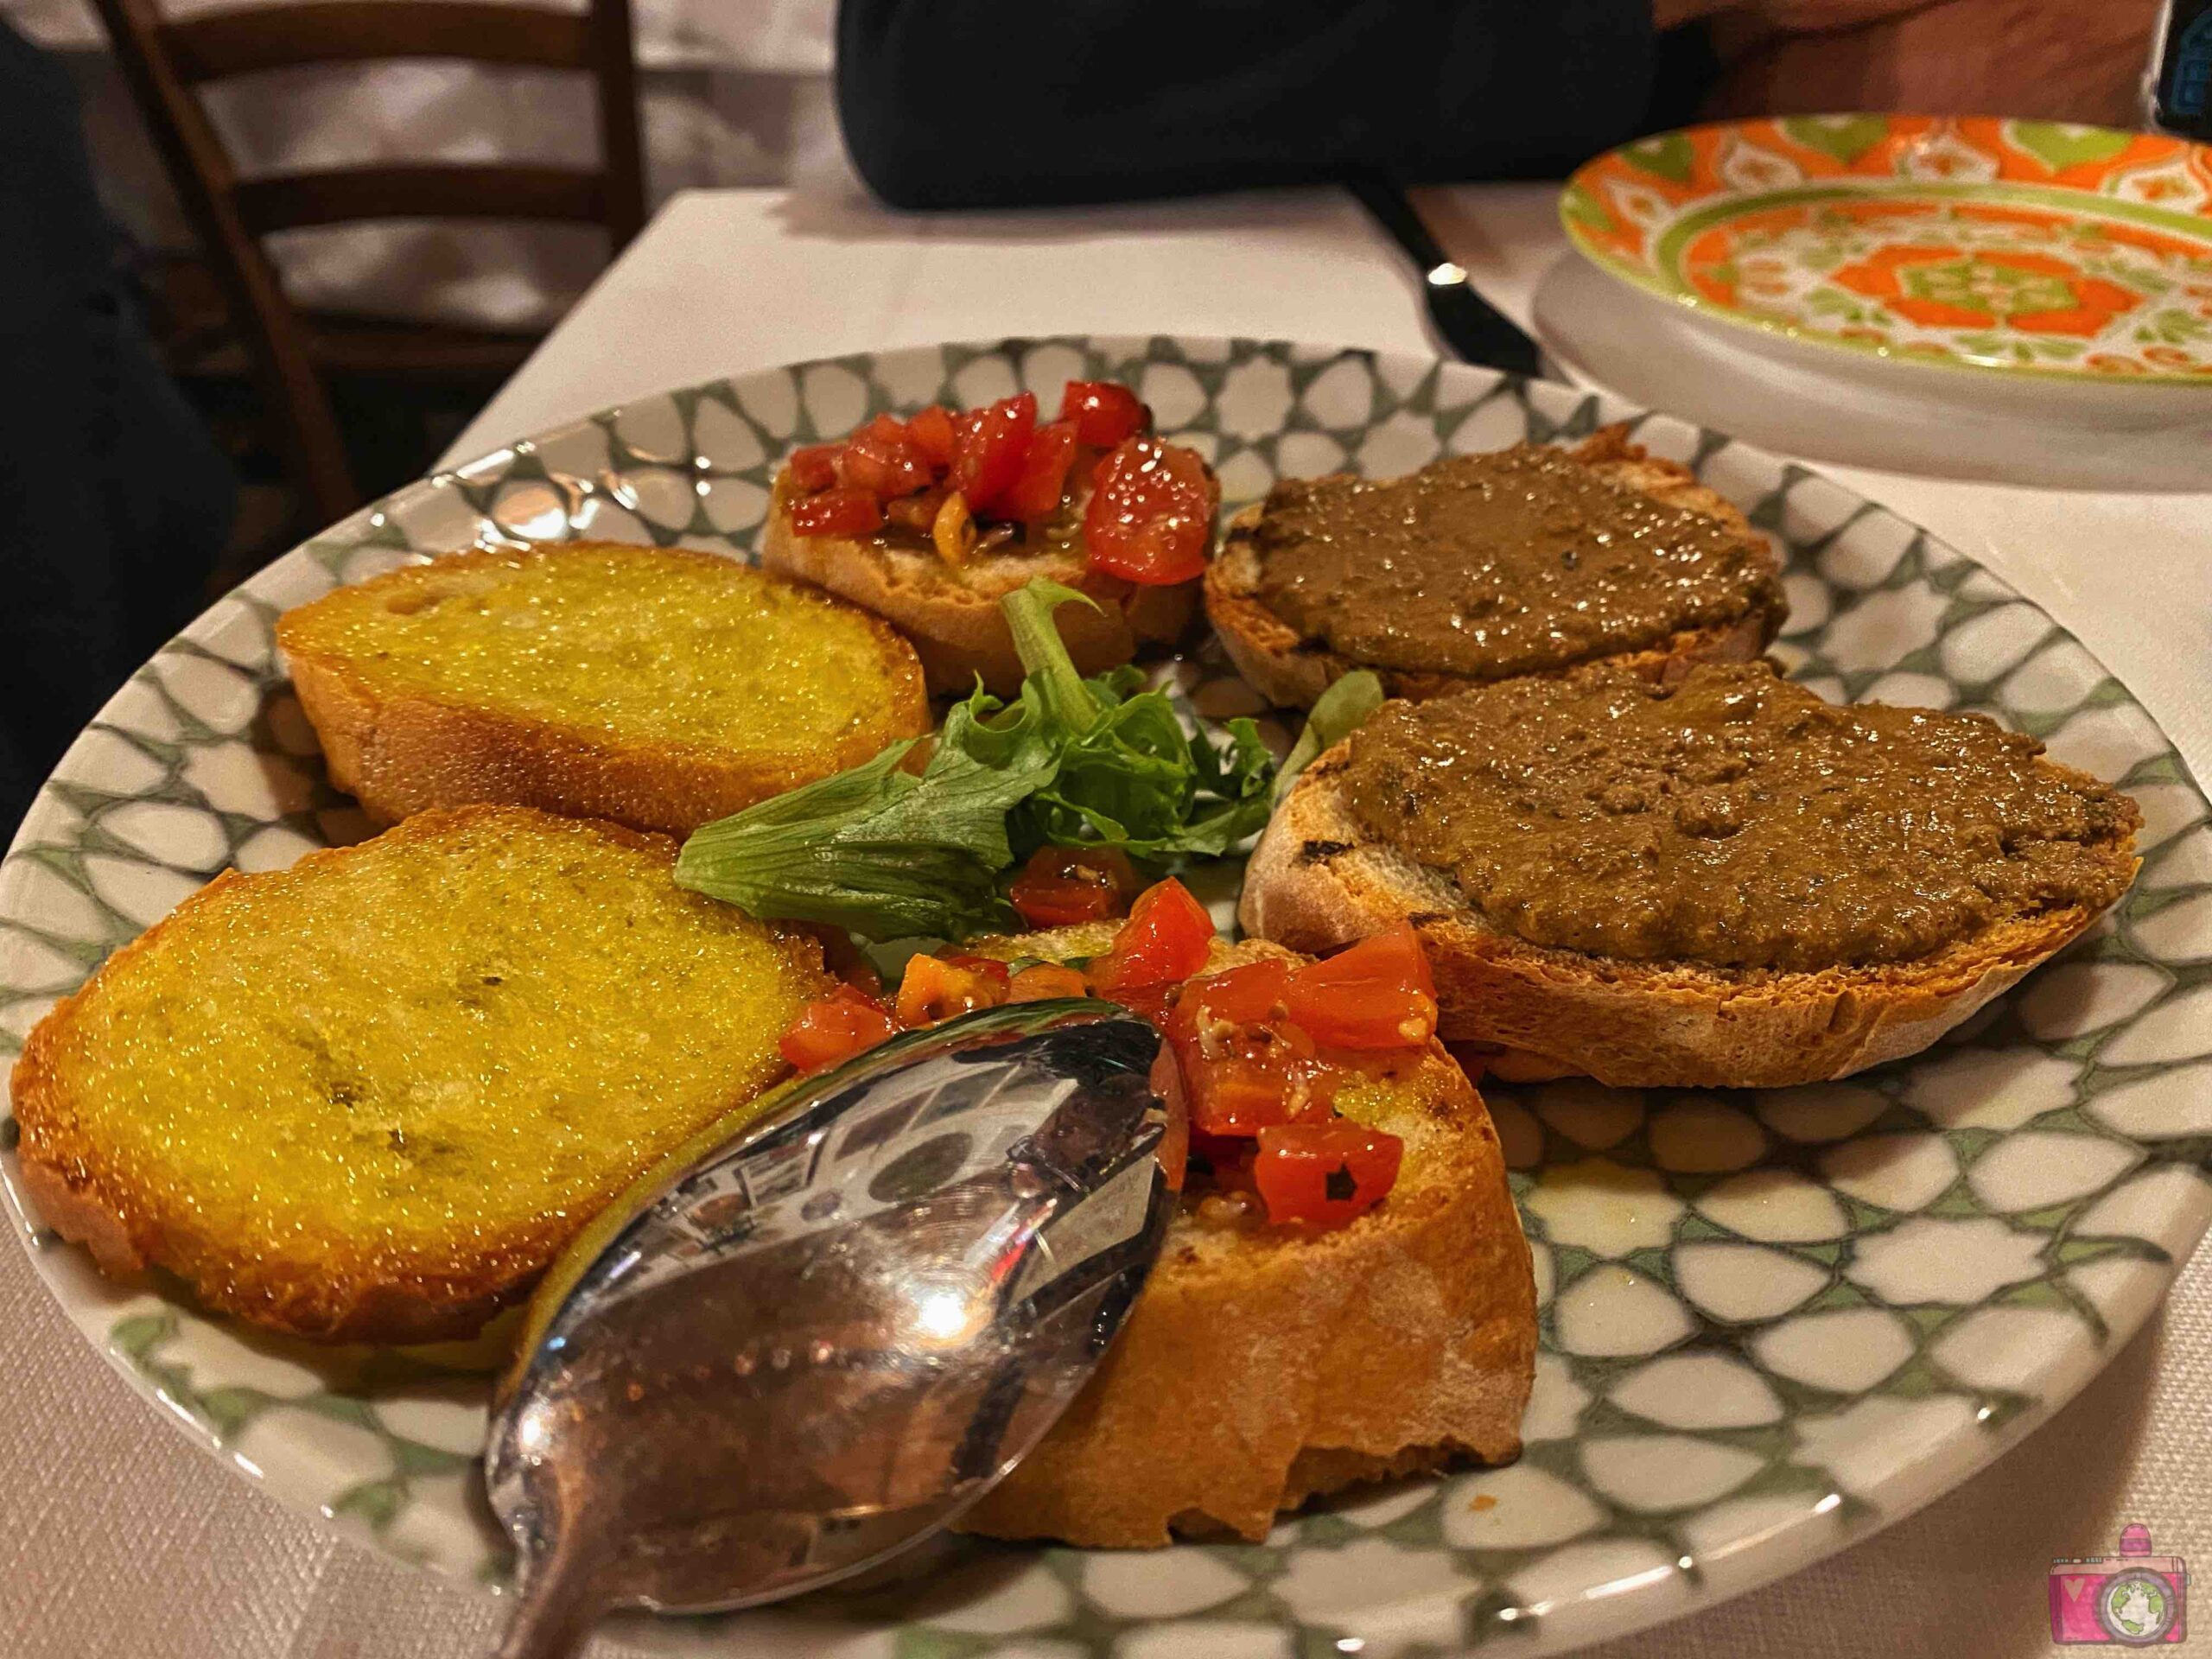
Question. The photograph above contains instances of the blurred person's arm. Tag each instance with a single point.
(2055, 59)
(975, 103)
(971, 102)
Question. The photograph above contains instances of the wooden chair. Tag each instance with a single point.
(287, 352)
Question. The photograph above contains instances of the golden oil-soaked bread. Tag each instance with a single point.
(1292, 671)
(1263, 1365)
(370, 1096)
(951, 612)
(658, 686)
(1321, 878)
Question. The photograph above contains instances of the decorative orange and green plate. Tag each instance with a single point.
(2033, 247)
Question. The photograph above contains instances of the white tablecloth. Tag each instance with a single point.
(116, 1537)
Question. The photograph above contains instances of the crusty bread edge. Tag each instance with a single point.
(61, 1179)
(400, 753)
(1317, 882)
(959, 632)
(1396, 1344)
(1293, 672)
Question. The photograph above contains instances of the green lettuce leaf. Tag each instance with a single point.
(1337, 714)
(889, 853)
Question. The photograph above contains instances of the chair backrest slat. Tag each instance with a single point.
(163, 61)
(250, 38)
(343, 195)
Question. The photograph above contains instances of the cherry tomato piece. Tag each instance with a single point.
(1150, 516)
(1165, 941)
(1035, 495)
(1104, 412)
(1244, 1073)
(1325, 1174)
(990, 968)
(1045, 980)
(880, 459)
(1063, 885)
(931, 432)
(1377, 995)
(838, 1027)
(815, 467)
(1254, 993)
(1243, 1093)
(937, 987)
(843, 510)
(989, 448)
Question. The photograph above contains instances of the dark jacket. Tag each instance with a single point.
(985, 103)
(114, 503)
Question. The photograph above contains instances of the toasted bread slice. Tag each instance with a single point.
(369, 1097)
(1292, 671)
(1320, 879)
(658, 686)
(951, 612)
(1262, 1366)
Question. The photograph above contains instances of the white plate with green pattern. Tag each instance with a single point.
(1770, 1322)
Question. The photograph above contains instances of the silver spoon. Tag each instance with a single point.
(798, 1349)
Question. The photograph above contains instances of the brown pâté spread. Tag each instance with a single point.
(1490, 565)
(1735, 820)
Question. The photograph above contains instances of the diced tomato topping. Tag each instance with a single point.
(1165, 941)
(1245, 1066)
(843, 510)
(1063, 885)
(815, 467)
(1379, 994)
(937, 987)
(989, 966)
(1254, 992)
(931, 432)
(835, 1029)
(1035, 495)
(1150, 518)
(989, 448)
(1104, 412)
(1269, 1075)
(1325, 1174)
(1044, 980)
(880, 459)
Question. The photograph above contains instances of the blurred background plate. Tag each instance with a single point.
(2030, 266)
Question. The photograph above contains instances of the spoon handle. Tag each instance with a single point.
(556, 1606)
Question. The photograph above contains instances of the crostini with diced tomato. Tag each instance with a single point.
(1345, 1295)
(931, 519)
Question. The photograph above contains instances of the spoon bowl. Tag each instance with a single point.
(812, 1339)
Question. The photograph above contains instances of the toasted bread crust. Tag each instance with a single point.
(955, 626)
(370, 1294)
(399, 752)
(1293, 672)
(1318, 880)
(1262, 1368)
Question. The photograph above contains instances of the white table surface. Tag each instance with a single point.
(118, 1537)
